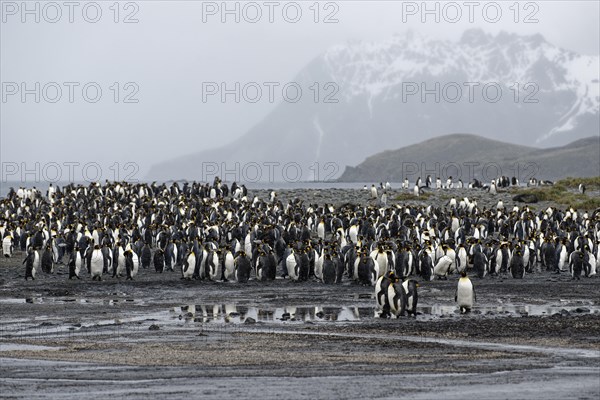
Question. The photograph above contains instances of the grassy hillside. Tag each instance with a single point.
(580, 158)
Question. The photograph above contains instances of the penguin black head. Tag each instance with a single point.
(463, 274)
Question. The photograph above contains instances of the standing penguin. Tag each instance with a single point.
(480, 264)
(292, 264)
(517, 266)
(243, 267)
(96, 263)
(368, 270)
(426, 267)
(228, 266)
(373, 192)
(129, 264)
(48, 260)
(75, 263)
(329, 272)
(7, 246)
(304, 269)
(29, 264)
(260, 266)
(118, 261)
(146, 256)
(410, 288)
(213, 266)
(577, 264)
(189, 264)
(159, 260)
(384, 199)
(492, 189)
(339, 268)
(107, 258)
(397, 299)
(381, 292)
(461, 258)
(271, 266)
(170, 255)
(465, 293)
(37, 261)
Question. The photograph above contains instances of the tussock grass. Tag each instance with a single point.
(560, 194)
(590, 183)
(410, 196)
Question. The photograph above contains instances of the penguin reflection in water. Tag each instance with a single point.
(465, 293)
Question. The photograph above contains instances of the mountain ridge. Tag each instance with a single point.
(579, 158)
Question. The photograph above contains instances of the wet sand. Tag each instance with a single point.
(160, 336)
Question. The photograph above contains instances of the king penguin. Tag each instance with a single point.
(465, 293)
(381, 291)
(96, 264)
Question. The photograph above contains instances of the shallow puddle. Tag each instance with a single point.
(194, 316)
(232, 313)
(59, 300)
(25, 347)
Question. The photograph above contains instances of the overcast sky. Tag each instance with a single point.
(176, 46)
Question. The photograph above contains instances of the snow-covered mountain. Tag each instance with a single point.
(518, 89)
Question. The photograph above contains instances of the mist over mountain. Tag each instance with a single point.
(469, 156)
(387, 95)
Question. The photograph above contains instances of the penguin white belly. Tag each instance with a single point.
(356, 264)
(188, 270)
(96, 264)
(78, 263)
(290, 263)
(391, 293)
(121, 265)
(321, 230)
(353, 233)
(562, 261)
(33, 272)
(380, 297)
(214, 268)
(498, 261)
(382, 260)
(37, 261)
(319, 267)
(229, 267)
(409, 299)
(248, 245)
(443, 266)
(136, 265)
(461, 260)
(375, 273)
(594, 264)
(395, 299)
(7, 246)
(464, 293)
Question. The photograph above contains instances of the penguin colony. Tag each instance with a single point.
(215, 232)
